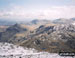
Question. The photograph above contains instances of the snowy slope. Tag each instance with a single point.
(12, 51)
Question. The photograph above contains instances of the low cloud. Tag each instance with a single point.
(19, 12)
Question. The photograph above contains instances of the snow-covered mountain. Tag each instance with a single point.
(13, 51)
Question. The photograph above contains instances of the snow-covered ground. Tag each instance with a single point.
(12, 51)
(73, 23)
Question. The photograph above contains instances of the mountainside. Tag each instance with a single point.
(48, 37)
(3, 28)
(11, 33)
(52, 38)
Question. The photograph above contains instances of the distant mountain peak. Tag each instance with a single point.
(35, 21)
(16, 25)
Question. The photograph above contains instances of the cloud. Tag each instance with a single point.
(19, 12)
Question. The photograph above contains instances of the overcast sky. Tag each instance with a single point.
(36, 9)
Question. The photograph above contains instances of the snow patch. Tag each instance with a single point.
(12, 51)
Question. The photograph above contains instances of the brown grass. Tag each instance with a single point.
(20, 35)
